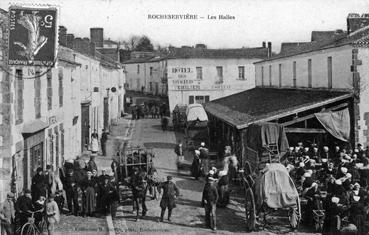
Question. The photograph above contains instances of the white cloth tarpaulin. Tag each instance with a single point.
(336, 123)
(196, 112)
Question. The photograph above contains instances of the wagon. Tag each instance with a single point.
(128, 159)
(132, 157)
(196, 130)
(273, 190)
(179, 116)
(267, 184)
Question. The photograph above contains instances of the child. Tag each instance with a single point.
(59, 199)
(52, 212)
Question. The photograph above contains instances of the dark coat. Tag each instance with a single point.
(38, 187)
(196, 166)
(170, 192)
(210, 193)
(91, 165)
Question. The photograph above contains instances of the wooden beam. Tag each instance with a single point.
(300, 119)
(298, 110)
(304, 130)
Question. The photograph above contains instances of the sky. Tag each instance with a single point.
(255, 20)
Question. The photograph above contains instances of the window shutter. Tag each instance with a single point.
(206, 98)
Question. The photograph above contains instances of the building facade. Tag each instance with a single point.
(146, 73)
(339, 63)
(43, 114)
(200, 80)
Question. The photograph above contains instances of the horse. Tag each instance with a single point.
(139, 190)
(229, 167)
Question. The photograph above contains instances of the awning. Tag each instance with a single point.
(336, 123)
(266, 104)
(34, 126)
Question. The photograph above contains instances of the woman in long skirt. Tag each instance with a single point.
(196, 165)
(89, 197)
(94, 142)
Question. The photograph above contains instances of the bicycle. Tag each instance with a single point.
(30, 228)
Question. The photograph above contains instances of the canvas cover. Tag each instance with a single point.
(262, 134)
(196, 112)
(336, 123)
(276, 188)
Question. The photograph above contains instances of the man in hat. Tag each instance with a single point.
(210, 198)
(104, 138)
(7, 214)
(71, 191)
(25, 206)
(168, 200)
(53, 214)
(91, 165)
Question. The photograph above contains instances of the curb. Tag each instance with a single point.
(111, 229)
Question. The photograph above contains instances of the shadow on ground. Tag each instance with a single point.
(161, 145)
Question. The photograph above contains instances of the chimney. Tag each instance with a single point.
(355, 22)
(62, 36)
(92, 48)
(264, 45)
(269, 49)
(97, 36)
(70, 39)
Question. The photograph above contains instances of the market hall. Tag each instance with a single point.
(307, 116)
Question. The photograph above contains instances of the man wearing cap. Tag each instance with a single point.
(91, 165)
(196, 165)
(168, 200)
(7, 214)
(210, 198)
(71, 191)
(25, 206)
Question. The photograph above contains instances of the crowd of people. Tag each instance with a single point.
(87, 194)
(334, 183)
(148, 111)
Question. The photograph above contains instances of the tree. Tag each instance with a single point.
(131, 43)
(144, 44)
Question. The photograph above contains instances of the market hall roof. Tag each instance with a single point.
(266, 104)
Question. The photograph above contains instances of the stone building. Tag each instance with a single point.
(146, 72)
(199, 75)
(43, 110)
(301, 88)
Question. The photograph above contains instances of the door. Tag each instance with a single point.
(35, 159)
(106, 113)
(85, 126)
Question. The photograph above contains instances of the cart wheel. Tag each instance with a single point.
(295, 215)
(250, 210)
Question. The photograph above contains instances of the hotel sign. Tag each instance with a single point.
(181, 72)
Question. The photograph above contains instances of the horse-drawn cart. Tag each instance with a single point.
(130, 158)
(267, 183)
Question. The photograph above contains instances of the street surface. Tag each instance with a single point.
(188, 217)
